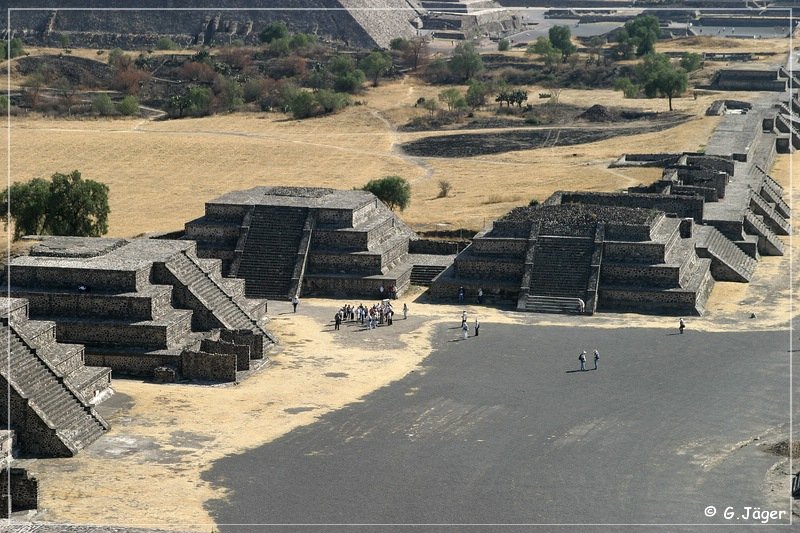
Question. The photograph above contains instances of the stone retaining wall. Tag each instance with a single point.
(71, 278)
(680, 206)
(23, 491)
(208, 366)
(133, 365)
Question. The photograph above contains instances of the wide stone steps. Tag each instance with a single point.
(548, 304)
(220, 303)
(767, 210)
(424, 274)
(561, 267)
(75, 424)
(770, 182)
(768, 242)
(728, 261)
(270, 250)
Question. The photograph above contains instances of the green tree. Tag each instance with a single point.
(628, 88)
(660, 77)
(301, 40)
(350, 82)
(561, 39)
(691, 62)
(431, 105)
(102, 105)
(466, 61)
(11, 49)
(3, 104)
(394, 191)
(453, 98)
(503, 45)
(63, 40)
(330, 101)
(276, 30)
(67, 205)
(114, 55)
(165, 43)
(638, 35)
(548, 53)
(476, 94)
(129, 106)
(375, 65)
(399, 43)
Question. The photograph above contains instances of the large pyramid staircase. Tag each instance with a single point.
(270, 250)
(50, 417)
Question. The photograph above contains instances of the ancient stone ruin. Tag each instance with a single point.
(48, 386)
(283, 241)
(655, 248)
(143, 307)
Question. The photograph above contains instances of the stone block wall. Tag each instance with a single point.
(225, 212)
(208, 366)
(20, 488)
(681, 206)
(436, 246)
(665, 276)
(241, 351)
(499, 246)
(70, 278)
(133, 365)
(257, 344)
(128, 306)
(629, 252)
(150, 336)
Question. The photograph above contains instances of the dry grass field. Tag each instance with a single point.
(161, 173)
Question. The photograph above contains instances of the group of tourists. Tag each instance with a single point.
(369, 317)
(465, 327)
(582, 359)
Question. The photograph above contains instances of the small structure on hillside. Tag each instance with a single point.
(283, 241)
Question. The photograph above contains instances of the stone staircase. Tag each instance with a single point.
(424, 274)
(768, 211)
(270, 252)
(66, 423)
(728, 262)
(768, 242)
(551, 304)
(769, 181)
(210, 293)
(561, 267)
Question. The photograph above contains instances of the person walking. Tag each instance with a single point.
(480, 295)
(461, 295)
(596, 358)
(295, 301)
(337, 320)
(463, 319)
(465, 329)
(477, 326)
(405, 311)
(681, 326)
(582, 359)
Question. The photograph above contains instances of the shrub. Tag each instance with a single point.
(394, 191)
(165, 43)
(330, 101)
(194, 71)
(128, 106)
(503, 45)
(628, 88)
(350, 82)
(276, 30)
(444, 188)
(102, 105)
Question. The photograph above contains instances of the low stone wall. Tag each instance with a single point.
(226, 212)
(133, 364)
(224, 233)
(364, 264)
(208, 366)
(677, 302)
(241, 351)
(640, 252)
(340, 218)
(257, 344)
(500, 246)
(128, 306)
(645, 276)
(707, 193)
(152, 336)
(339, 286)
(680, 206)
(436, 247)
(72, 278)
(471, 266)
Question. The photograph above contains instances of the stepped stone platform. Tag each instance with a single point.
(141, 305)
(574, 258)
(48, 388)
(286, 241)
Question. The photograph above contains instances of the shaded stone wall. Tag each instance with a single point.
(682, 207)
(71, 278)
(208, 366)
(23, 491)
(35, 436)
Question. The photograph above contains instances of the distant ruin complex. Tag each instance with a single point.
(655, 248)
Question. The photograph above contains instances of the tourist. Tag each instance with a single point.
(295, 301)
(681, 326)
(337, 320)
(596, 358)
(465, 329)
(480, 295)
(405, 311)
(461, 295)
(477, 326)
(582, 359)
(463, 319)
(380, 290)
